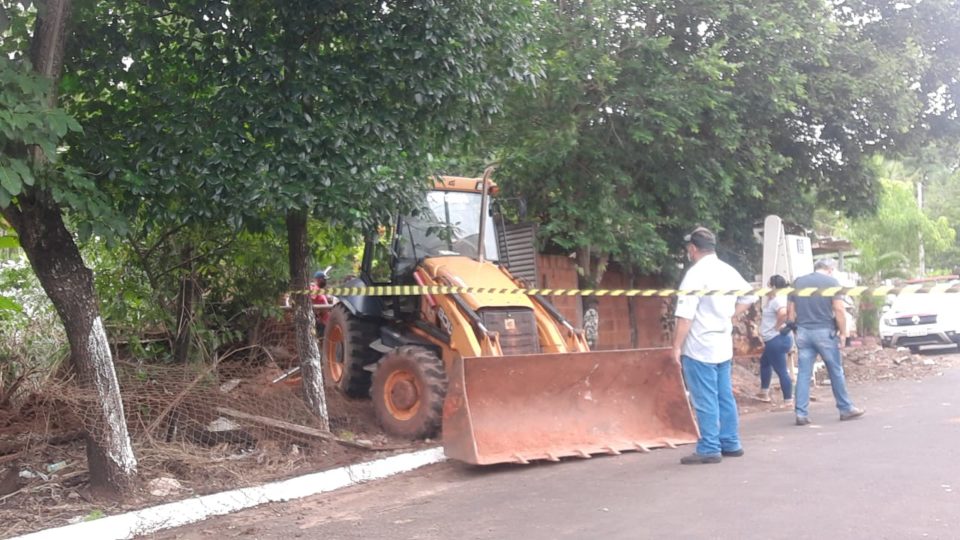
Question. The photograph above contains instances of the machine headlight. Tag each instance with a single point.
(890, 321)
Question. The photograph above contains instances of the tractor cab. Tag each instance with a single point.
(446, 224)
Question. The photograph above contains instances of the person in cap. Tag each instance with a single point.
(319, 299)
(821, 329)
(703, 344)
(319, 283)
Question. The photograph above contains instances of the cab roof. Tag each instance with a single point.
(462, 183)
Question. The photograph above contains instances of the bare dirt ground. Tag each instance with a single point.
(864, 362)
(43, 477)
(184, 442)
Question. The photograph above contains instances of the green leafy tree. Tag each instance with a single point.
(257, 113)
(34, 192)
(888, 239)
(938, 167)
(656, 116)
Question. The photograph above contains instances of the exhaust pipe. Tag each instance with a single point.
(481, 246)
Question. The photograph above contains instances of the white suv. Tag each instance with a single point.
(915, 320)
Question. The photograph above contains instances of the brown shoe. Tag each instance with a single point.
(852, 414)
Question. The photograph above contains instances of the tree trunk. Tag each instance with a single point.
(186, 306)
(591, 320)
(304, 320)
(69, 283)
(589, 275)
(632, 316)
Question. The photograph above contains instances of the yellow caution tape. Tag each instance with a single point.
(416, 290)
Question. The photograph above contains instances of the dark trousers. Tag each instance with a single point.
(774, 358)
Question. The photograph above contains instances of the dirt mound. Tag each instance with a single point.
(872, 363)
(866, 362)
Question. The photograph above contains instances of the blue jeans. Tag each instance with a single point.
(824, 342)
(711, 391)
(774, 358)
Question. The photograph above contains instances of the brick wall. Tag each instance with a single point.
(559, 272)
(616, 327)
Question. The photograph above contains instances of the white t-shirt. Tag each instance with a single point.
(710, 339)
(768, 320)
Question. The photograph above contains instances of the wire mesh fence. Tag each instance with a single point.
(196, 428)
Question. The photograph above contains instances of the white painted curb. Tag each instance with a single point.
(196, 509)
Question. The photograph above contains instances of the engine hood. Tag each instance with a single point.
(466, 272)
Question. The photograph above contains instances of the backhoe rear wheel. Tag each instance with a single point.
(408, 391)
(346, 350)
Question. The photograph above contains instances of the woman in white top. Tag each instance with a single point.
(777, 342)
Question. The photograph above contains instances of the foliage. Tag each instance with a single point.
(9, 244)
(939, 168)
(27, 118)
(33, 341)
(207, 121)
(929, 27)
(240, 111)
(656, 116)
(888, 239)
(240, 277)
(340, 248)
(32, 337)
(94, 515)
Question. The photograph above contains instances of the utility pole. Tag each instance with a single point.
(922, 269)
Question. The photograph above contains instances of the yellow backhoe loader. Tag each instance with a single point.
(505, 377)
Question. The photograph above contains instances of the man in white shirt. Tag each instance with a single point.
(703, 344)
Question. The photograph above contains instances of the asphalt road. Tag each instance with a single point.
(892, 474)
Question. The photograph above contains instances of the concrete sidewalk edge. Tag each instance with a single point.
(195, 509)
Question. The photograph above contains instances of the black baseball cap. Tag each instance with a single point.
(701, 237)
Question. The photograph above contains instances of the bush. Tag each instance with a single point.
(33, 343)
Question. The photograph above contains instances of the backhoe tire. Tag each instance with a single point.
(408, 391)
(346, 350)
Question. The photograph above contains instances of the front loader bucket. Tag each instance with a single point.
(547, 406)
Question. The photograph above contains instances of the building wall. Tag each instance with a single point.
(558, 272)
(616, 329)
